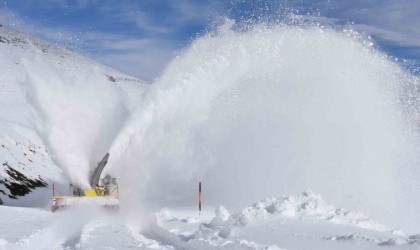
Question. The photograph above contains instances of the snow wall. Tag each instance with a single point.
(271, 110)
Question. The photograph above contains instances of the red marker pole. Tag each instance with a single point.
(199, 197)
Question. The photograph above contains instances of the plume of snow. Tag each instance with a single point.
(77, 114)
(273, 109)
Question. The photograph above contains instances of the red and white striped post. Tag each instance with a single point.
(199, 197)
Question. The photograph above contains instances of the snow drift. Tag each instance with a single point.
(300, 221)
(273, 109)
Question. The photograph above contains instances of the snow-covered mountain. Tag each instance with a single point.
(42, 85)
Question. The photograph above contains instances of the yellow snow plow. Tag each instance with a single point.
(103, 192)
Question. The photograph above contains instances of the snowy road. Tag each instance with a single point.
(295, 222)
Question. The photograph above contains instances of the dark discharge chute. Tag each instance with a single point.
(97, 174)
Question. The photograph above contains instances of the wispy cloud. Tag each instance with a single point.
(197, 11)
(145, 64)
(133, 14)
(392, 23)
(141, 57)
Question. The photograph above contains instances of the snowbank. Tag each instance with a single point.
(308, 206)
(284, 220)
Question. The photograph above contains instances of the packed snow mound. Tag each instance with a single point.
(292, 218)
(54, 104)
(308, 206)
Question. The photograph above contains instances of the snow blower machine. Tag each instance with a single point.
(103, 192)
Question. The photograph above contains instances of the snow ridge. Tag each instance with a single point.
(397, 241)
(308, 206)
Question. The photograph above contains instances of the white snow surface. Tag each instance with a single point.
(295, 222)
(308, 206)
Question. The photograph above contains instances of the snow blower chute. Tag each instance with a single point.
(103, 192)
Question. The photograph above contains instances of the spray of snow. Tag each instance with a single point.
(272, 109)
(77, 114)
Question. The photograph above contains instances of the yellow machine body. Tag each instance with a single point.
(105, 195)
(90, 192)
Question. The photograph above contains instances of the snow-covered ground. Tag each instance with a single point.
(304, 221)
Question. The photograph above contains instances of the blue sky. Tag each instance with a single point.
(140, 37)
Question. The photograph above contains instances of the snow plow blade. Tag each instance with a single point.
(63, 202)
(102, 193)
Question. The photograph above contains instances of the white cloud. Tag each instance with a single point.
(144, 58)
(146, 65)
(396, 22)
(131, 13)
(129, 44)
(197, 11)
